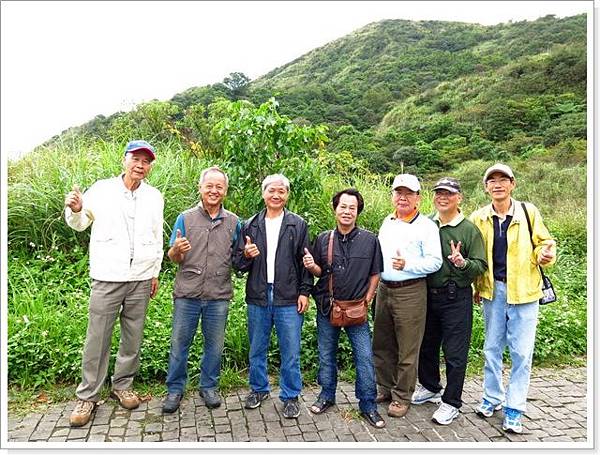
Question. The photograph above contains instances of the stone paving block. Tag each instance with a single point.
(223, 437)
(295, 438)
(116, 431)
(153, 428)
(346, 437)
(98, 429)
(290, 431)
(96, 438)
(57, 439)
(133, 438)
(78, 433)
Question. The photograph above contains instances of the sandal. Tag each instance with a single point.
(374, 418)
(321, 405)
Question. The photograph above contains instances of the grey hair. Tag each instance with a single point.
(275, 178)
(213, 169)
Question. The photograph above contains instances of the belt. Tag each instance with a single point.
(400, 284)
(444, 290)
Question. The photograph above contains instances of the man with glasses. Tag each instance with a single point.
(510, 289)
(449, 304)
(410, 245)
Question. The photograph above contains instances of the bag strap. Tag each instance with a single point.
(531, 235)
(330, 262)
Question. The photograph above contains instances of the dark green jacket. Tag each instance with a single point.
(472, 249)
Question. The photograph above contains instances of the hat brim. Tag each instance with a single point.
(444, 187)
(143, 149)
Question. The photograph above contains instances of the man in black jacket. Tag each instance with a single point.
(271, 248)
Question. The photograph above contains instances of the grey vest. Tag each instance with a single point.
(205, 272)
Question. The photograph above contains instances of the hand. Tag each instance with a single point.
(74, 200)
(250, 249)
(308, 260)
(455, 256)
(547, 253)
(398, 262)
(182, 245)
(154, 287)
(302, 303)
(476, 299)
(369, 297)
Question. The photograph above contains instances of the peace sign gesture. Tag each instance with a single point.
(455, 255)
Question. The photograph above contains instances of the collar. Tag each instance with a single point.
(205, 212)
(407, 219)
(511, 210)
(454, 222)
(125, 189)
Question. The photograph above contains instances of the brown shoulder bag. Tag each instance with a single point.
(344, 313)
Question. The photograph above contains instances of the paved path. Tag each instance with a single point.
(557, 411)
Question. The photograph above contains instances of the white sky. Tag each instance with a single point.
(65, 62)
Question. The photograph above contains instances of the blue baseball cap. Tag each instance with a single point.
(136, 146)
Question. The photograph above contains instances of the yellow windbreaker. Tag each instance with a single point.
(523, 279)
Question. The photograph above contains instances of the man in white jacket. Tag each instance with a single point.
(126, 250)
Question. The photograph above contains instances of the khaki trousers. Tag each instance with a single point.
(397, 335)
(129, 301)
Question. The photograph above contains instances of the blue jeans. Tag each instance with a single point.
(288, 326)
(186, 314)
(360, 339)
(512, 325)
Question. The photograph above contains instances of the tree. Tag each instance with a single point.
(237, 83)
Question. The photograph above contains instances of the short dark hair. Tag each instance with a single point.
(350, 192)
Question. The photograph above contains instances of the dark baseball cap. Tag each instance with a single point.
(136, 146)
(448, 183)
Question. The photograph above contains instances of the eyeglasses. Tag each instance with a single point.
(404, 194)
(501, 181)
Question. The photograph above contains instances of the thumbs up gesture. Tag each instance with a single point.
(74, 200)
(398, 262)
(308, 259)
(182, 245)
(250, 249)
(455, 255)
(547, 253)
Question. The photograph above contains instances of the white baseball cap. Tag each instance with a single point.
(498, 167)
(407, 180)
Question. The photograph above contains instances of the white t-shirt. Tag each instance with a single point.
(272, 225)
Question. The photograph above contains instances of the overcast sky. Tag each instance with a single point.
(65, 62)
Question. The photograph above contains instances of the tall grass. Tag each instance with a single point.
(48, 282)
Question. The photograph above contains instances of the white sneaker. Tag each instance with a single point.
(422, 395)
(445, 414)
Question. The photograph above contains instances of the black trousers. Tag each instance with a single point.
(448, 325)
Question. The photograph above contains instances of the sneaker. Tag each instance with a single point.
(486, 409)
(397, 409)
(82, 413)
(211, 398)
(255, 399)
(171, 403)
(423, 395)
(291, 408)
(512, 420)
(445, 414)
(126, 398)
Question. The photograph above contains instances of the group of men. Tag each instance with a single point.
(422, 271)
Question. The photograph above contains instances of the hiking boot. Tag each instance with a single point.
(171, 403)
(486, 409)
(82, 413)
(291, 408)
(211, 398)
(512, 421)
(445, 414)
(127, 398)
(423, 395)
(255, 399)
(397, 409)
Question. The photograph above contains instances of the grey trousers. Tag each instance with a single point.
(129, 301)
(397, 334)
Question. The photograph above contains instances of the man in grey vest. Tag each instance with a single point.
(201, 243)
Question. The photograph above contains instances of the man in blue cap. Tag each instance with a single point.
(126, 250)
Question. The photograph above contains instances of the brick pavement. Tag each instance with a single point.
(557, 412)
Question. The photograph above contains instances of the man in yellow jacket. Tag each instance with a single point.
(510, 290)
